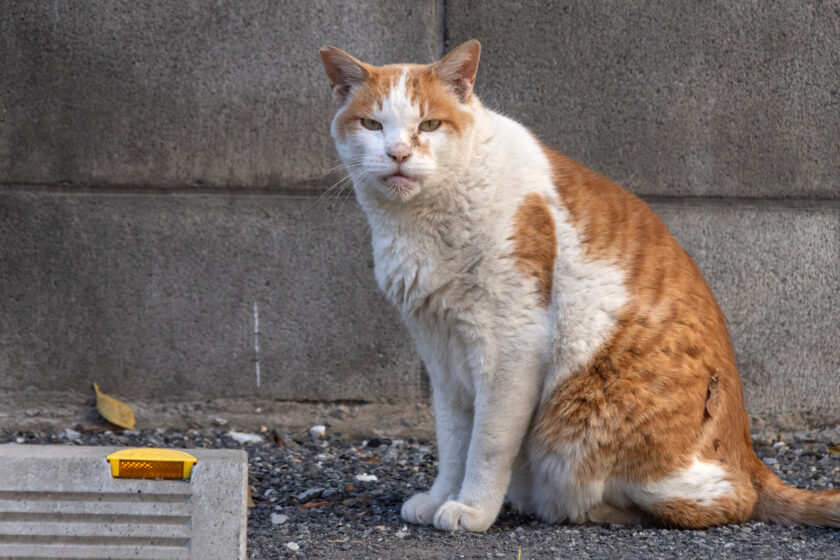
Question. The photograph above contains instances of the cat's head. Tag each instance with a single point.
(403, 129)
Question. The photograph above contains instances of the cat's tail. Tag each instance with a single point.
(781, 503)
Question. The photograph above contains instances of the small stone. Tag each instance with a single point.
(240, 437)
(70, 434)
(318, 431)
(770, 460)
(278, 518)
(310, 494)
(364, 477)
(293, 546)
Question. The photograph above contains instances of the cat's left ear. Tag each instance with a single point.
(344, 72)
(459, 67)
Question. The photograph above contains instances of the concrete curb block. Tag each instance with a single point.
(61, 502)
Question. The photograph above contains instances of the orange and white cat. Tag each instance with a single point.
(580, 366)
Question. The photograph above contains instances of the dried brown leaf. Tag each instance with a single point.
(114, 410)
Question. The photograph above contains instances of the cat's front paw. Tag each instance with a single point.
(453, 515)
(420, 509)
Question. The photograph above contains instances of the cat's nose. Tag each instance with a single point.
(399, 152)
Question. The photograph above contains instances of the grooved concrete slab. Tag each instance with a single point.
(185, 93)
(61, 502)
(196, 297)
(671, 98)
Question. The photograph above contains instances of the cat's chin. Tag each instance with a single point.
(401, 187)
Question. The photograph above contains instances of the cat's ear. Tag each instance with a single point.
(459, 66)
(344, 72)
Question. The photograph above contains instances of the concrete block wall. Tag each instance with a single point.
(162, 230)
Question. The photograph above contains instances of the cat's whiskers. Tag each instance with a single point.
(354, 171)
(339, 165)
(339, 188)
(343, 202)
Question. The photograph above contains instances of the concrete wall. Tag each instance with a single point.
(161, 168)
(184, 94)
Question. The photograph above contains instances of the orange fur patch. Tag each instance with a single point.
(664, 389)
(424, 87)
(535, 244)
(437, 102)
(365, 98)
(782, 504)
(685, 513)
(641, 408)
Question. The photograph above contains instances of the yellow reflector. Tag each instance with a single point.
(151, 463)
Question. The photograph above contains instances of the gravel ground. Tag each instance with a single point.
(333, 498)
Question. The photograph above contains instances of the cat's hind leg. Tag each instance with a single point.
(704, 494)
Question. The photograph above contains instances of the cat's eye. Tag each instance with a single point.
(428, 126)
(371, 124)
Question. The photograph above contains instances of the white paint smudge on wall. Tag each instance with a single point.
(257, 341)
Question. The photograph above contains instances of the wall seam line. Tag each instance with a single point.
(244, 191)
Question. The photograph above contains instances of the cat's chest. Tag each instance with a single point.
(422, 274)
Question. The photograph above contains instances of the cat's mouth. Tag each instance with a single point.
(398, 180)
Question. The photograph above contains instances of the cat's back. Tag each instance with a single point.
(616, 228)
(639, 344)
(652, 298)
(613, 223)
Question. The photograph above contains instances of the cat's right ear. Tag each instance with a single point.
(344, 72)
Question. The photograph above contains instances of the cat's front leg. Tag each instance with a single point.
(453, 424)
(504, 407)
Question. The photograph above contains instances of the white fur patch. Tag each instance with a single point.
(397, 104)
(587, 297)
(703, 483)
(555, 494)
